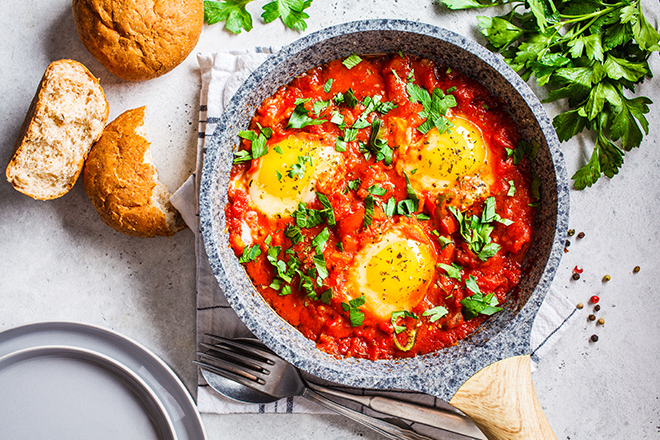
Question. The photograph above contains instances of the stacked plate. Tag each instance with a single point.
(75, 381)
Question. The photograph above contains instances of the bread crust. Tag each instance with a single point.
(66, 116)
(139, 39)
(122, 183)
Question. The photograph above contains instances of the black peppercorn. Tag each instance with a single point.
(580, 235)
(592, 317)
(594, 338)
(576, 276)
(597, 308)
(567, 244)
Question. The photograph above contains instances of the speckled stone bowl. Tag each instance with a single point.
(506, 333)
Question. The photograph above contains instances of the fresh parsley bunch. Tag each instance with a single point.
(588, 52)
(236, 16)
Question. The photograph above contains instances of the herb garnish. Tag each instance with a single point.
(435, 107)
(453, 271)
(250, 253)
(435, 313)
(355, 315)
(587, 52)
(300, 116)
(476, 230)
(236, 16)
(478, 303)
(351, 61)
(328, 85)
(400, 314)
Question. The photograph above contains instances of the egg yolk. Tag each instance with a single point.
(285, 175)
(440, 160)
(393, 273)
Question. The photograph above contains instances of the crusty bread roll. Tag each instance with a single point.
(139, 39)
(66, 117)
(122, 183)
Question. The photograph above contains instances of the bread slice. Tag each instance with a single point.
(122, 183)
(66, 117)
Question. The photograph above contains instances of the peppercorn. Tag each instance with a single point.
(592, 317)
(594, 299)
(567, 244)
(637, 269)
(594, 338)
(597, 308)
(606, 278)
(601, 321)
(579, 306)
(580, 235)
(571, 232)
(576, 276)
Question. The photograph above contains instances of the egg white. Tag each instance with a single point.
(393, 271)
(278, 195)
(456, 161)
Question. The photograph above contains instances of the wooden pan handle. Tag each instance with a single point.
(501, 400)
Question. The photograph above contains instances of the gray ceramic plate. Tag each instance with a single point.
(76, 381)
(504, 335)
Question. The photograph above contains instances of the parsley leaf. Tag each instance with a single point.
(233, 12)
(351, 61)
(250, 253)
(586, 52)
(327, 210)
(356, 315)
(368, 210)
(300, 116)
(389, 207)
(328, 85)
(289, 11)
(476, 230)
(378, 146)
(453, 271)
(477, 303)
(435, 107)
(400, 314)
(435, 313)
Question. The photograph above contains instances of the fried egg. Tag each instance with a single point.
(393, 271)
(456, 161)
(288, 173)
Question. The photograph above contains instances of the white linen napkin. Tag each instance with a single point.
(222, 74)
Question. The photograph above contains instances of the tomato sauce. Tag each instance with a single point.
(319, 304)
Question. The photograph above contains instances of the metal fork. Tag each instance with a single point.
(249, 363)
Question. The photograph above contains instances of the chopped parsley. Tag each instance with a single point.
(477, 303)
(377, 190)
(400, 314)
(300, 116)
(328, 85)
(512, 189)
(250, 253)
(368, 210)
(476, 230)
(356, 315)
(453, 271)
(435, 313)
(435, 107)
(352, 61)
(259, 147)
(298, 169)
(378, 146)
(327, 210)
(389, 207)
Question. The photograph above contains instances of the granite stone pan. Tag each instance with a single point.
(486, 375)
